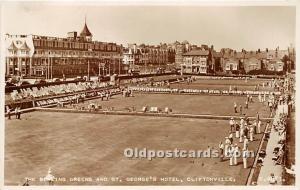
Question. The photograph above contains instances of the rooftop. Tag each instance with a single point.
(85, 31)
(196, 53)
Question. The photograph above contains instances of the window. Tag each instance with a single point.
(11, 52)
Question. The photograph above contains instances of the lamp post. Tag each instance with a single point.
(88, 77)
(119, 65)
(99, 69)
(114, 65)
(109, 67)
(103, 67)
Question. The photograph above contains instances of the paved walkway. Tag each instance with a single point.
(268, 164)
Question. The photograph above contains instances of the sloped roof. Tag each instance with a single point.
(280, 53)
(24, 46)
(217, 54)
(239, 55)
(196, 53)
(252, 59)
(275, 60)
(232, 59)
(85, 31)
(185, 42)
(12, 46)
(227, 55)
(262, 55)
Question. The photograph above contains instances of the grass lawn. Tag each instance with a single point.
(83, 145)
(192, 104)
(92, 145)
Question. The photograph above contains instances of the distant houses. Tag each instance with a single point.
(196, 61)
(231, 65)
(228, 61)
(79, 55)
(252, 63)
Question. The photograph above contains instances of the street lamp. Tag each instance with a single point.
(119, 65)
(114, 65)
(99, 69)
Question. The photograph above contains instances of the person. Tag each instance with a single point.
(251, 99)
(16, 112)
(247, 120)
(251, 132)
(221, 147)
(230, 137)
(257, 116)
(235, 154)
(241, 133)
(231, 154)
(49, 177)
(102, 96)
(235, 107)
(246, 104)
(8, 112)
(270, 106)
(246, 142)
(237, 130)
(242, 122)
(259, 127)
(254, 125)
(231, 123)
(19, 113)
(227, 143)
(26, 182)
(248, 97)
(107, 96)
(246, 130)
(241, 109)
(245, 156)
(272, 179)
(77, 99)
(259, 98)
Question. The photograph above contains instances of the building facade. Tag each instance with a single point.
(251, 64)
(48, 57)
(231, 65)
(195, 61)
(146, 55)
(275, 65)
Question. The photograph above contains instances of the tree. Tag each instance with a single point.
(285, 61)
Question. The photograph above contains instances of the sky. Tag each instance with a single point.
(224, 27)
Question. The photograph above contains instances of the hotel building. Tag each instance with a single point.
(48, 57)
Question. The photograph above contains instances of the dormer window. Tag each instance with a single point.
(18, 42)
